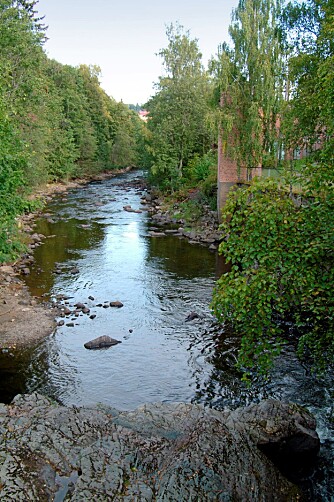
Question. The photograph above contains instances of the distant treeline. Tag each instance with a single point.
(56, 122)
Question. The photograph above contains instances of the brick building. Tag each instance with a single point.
(229, 175)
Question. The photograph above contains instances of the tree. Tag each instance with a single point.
(130, 129)
(13, 159)
(309, 115)
(281, 278)
(280, 242)
(250, 77)
(178, 110)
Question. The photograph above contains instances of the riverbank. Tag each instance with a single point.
(188, 219)
(23, 319)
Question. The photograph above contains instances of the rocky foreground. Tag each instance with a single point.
(165, 452)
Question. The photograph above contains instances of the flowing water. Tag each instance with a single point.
(96, 252)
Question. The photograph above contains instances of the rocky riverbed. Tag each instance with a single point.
(202, 230)
(166, 452)
(23, 319)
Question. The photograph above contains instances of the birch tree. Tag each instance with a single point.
(178, 110)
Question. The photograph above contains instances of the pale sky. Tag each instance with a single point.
(123, 37)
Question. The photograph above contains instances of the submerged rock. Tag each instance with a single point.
(192, 316)
(166, 452)
(101, 342)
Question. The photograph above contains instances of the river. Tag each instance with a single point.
(96, 252)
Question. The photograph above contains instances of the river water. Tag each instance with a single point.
(96, 252)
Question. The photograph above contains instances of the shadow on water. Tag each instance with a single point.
(180, 258)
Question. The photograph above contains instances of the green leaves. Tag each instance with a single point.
(250, 76)
(281, 255)
(309, 115)
(178, 110)
(12, 163)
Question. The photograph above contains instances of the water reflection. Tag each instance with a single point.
(159, 281)
(178, 257)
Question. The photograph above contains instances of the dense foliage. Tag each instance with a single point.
(55, 120)
(278, 233)
(281, 252)
(309, 113)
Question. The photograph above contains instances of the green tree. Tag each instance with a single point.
(32, 106)
(309, 114)
(178, 110)
(102, 112)
(130, 130)
(13, 160)
(281, 279)
(280, 244)
(250, 77)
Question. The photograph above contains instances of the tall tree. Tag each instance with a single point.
(280, 245)
(13, 160)
(178, 110)
(250, 77)
(309, 115)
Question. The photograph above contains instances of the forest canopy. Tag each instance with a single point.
(56, 122)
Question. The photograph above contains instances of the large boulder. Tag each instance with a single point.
(165, 452)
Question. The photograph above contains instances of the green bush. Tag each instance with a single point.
(281, 251)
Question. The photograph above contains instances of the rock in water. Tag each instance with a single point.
(101, 342)
(166, 452)
(192, 316)
(116, 304)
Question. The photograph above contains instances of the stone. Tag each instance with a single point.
(192, 316)
(101, 342)
(157, 234)
(171, 231)
(7, 269)
(117, 304)
(166, 452)
(36, 238)
(80, 305)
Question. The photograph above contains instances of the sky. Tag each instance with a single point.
(124, 36)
